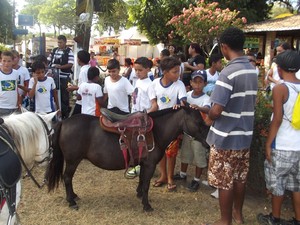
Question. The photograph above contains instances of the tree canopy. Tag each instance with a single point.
(6, 25)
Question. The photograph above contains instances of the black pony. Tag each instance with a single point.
(81, 137)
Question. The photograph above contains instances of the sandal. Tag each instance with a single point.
(171, 187)
(159, 183)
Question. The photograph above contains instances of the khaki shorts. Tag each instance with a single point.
(226, 166)
(193, 152)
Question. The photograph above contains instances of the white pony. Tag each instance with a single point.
(30, 133)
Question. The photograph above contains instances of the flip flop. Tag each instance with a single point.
(159, 183)
(171, 187)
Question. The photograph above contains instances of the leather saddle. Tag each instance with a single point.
(10, 165)
(135, 132)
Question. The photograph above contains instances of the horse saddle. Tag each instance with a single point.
(10, 165)
(135, 132)
(134, 120)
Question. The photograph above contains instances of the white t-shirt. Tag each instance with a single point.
(140, 96)
(133, 77)
(23, 74)
(9, 90)
(201, 100)
(89, 92)
(82, 77)
(43, 95)
(167, 96)
(211, 81)
(118, 93)
(298, 75)
(275, 75)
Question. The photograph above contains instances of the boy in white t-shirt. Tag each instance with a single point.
(192, 151)
(140, 97)
(168, 91)
(83, 59)
(91, 93)
(42, 88)
(10, 100)
(215, 66)
(117, 89)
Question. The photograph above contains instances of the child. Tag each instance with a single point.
(117, 89)
(22, 72)
(91, 93)
(168, 91)
(193, 150)
(282, 145)
(215, 63)
(128, 69)
(83, 58)
(10, 100)
(140, 96)
(93, 61)
(42, 87)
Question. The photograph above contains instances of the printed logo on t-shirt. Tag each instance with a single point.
(8, 85)
(165, 99)
(42, 90)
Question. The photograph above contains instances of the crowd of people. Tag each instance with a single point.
(225, 97)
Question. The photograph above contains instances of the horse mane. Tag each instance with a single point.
(29, 135)
(163, 112)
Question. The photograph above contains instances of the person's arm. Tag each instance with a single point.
(105, 98)
(63, 67)
(278, 94)
(78, 97)
(154, 106)
(204, 109)
(101, 101)
(55, 98)
(199, 66)
(32, 90)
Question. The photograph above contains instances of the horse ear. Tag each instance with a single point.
(48, 117)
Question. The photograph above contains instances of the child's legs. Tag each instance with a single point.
(276, 205)
(280, 175)
(186, 154)
(296, 202)
(163, 169)
(199, 153)
(171, 161)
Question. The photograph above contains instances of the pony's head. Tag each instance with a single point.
(49, 119)
(30, 133)
(194, 125)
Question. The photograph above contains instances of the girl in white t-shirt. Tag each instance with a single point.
(91, 93)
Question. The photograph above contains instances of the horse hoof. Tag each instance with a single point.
(148, 209)
(74, 206)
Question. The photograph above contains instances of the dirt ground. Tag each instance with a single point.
(108, 198)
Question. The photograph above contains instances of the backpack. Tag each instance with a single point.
(64, 59)
(295, 121)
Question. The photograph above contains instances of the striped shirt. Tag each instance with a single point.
(236, 91)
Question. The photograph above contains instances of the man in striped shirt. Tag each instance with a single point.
(231, 131)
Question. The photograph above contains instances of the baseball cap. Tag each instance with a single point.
(289, 61)
(200, 73)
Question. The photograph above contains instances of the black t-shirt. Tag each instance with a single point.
(198, 59)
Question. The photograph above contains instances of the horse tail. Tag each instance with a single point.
(55, 169)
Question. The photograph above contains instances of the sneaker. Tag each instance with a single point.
(134, 172)
(194, 186)
(177, 176)
(292, 222)
(205, 182)
(268, 220)
(215, 194)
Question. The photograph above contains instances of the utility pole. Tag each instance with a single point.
(13, 21)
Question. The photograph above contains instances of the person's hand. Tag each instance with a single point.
(193, 106)
(177, 106)
(186, 64)
(58, 66)
(268, 153)
(208, 121)
(71, 88)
